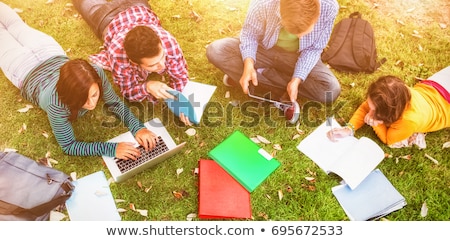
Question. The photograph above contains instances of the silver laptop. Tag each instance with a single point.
(166, 147)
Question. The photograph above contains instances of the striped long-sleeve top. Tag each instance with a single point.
(39, 87)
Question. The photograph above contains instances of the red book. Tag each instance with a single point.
(220, 195)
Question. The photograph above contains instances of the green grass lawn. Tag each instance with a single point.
(418, 179)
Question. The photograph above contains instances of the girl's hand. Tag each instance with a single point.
(146, 138)
(339, 133)
(371, 121)
(127, 151)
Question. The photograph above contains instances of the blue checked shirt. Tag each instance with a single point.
(263, 24)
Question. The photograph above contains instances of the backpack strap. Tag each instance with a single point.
(359, 41)
(337, 39)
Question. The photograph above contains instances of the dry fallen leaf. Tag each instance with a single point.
(424, 210)
(56, 216)
(277, 147)
(45, 134)
(268, 196)
(410, 10)
(179, 171)
(139, 183)
(132, 207)
(432, 159)
(191, 216)
(73, 175)
(147, 189)
(197, 18)
(23, 128)
(400, 22)
(443, 25)
(142, 212)
(311, 179)
(406, 157)
(446, 145)
(263, 139)
(255, 140)
(227, 94)
(119, 200)
(289, 188)
(191, 132)
(121, 210)
(295, 136)
(297, 127)
(280, 194)
(180, 194)
(25, 109)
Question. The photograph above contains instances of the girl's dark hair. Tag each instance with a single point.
(75, 79)
(390, 96)
(141, 42)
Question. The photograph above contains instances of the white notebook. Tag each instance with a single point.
(374, 198)
(92, 200)
(351, 158)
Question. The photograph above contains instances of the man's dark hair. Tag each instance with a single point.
(141, 42)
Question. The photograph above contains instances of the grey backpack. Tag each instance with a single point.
(29, 190)
(351, 47)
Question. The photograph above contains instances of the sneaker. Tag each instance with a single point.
(291, 113)
(227, 81)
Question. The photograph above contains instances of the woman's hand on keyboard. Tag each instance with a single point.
(146, 138)
(127, 151)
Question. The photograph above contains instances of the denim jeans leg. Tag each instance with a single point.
(321, 85)
(22, 48)
(226, 56)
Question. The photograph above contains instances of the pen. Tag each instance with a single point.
(330, 123)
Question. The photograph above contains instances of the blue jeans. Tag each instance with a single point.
(99, 13)
(22, 48)
(277, 68)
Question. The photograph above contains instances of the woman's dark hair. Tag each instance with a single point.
(390, 96)
(141, 42)
(75, 79)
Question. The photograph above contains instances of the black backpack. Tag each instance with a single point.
(352, 46)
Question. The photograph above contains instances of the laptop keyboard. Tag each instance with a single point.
(125, 165)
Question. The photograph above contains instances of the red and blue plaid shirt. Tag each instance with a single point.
(129, 76)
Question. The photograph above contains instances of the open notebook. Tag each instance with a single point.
(243, 159)
(351, 158)
(191, 101)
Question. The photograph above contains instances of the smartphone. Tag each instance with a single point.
(267, 93)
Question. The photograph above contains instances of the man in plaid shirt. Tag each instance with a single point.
(135, 45)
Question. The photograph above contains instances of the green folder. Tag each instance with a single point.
(244, 160)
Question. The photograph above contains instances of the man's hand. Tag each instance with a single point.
(158, 89)
(292, 88)
(248, 75)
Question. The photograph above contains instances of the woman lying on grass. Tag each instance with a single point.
(66, 89)
(399, 114)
